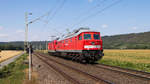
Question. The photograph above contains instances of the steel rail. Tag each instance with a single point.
(82, 72)
(123, 72)
(140, 73)
(69, 78)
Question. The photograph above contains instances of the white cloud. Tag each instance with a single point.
(3, 35)
(90, 1)
(19, 31)
(145, 26)
(1, 27)
(134, 28)
(104, 26)
(34, 37)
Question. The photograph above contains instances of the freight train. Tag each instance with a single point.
(83, 45)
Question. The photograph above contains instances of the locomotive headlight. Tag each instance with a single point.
(92, 43)
(92, 46)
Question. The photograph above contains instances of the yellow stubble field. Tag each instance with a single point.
(133, 56)
(6, 54)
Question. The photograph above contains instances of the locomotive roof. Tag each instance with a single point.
(75, 33)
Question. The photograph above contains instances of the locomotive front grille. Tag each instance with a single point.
(92, 43)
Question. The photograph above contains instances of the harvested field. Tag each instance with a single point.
(134, 59)
(8, 54)
(135, 56)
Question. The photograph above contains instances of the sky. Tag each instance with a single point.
(127, 16)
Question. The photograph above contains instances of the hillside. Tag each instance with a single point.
(129, 41)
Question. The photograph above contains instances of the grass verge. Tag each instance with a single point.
(14, 72)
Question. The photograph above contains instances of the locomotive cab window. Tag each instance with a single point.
(87, 36)
(80, 37)
(66, 41)
(70, 40)
(96, 36)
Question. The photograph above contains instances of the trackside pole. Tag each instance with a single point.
(0, 56)
(29, 63)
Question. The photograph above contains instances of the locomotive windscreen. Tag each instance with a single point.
(87, 36)
(96, 36)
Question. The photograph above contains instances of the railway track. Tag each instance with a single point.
(107, 74)
(69, 78)
(130, 72)
(45, 59)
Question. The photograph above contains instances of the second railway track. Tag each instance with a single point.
(140, 74)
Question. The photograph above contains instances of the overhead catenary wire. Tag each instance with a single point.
(42, 16)
(91, 9)
(49, 13)
(58, 32)
(52, 9)
(94, 14)
(56, 11)
(39, 18)
(100, 11)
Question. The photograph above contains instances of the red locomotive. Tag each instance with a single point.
(81, 45)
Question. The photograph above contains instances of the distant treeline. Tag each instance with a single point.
(10, 47)
(19, 45)
(125, 41)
